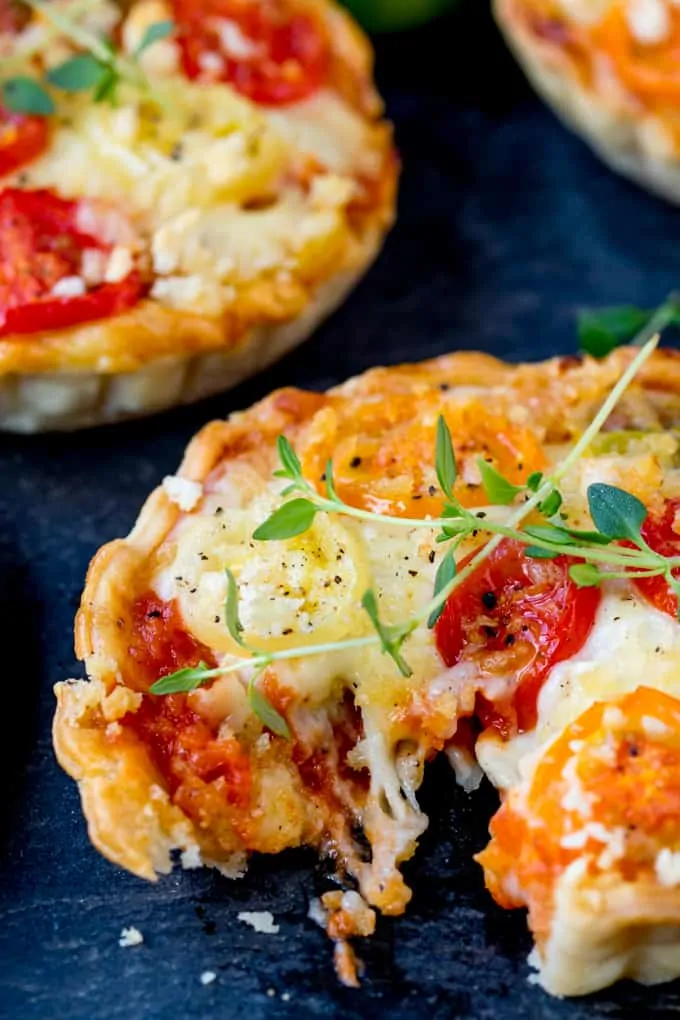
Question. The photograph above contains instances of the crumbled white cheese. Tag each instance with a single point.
(211, 62)
(130, 937)
(182, 492)
(261, 920)
(234, 43)
(667, 867)
(120, 264)
(285, 996)
(653, 727)
(208, 976)
(648, 20)
(69, 286)
(576, 798)
(613, 718)
(93, 266)
(271, 993)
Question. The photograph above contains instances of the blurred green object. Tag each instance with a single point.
(393, 15)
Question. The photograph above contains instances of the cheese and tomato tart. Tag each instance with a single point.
(289, 725)
(610, 69)
(186, 190)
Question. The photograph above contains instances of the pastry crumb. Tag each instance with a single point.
(208, 976)
(271, 993)
(261, 920)
(130, 937)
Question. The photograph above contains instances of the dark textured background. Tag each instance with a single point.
(508, 225)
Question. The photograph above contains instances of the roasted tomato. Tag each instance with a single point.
(514, 618)
(40, 245)
(383, 457)
(660, 534)
(608, 789)
(14, 15)
(269, 50)
(22, 139)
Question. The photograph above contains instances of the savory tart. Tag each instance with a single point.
(336, 587)
(186, 191)
(609, 68)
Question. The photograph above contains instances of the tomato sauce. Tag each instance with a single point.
(515, 617)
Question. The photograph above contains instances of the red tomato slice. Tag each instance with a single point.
(22, 139)
(659, 533)
(40, 244)
(13, 16)
(515, 616)
(267, 50)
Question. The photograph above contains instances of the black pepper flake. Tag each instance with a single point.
(413, 573)
(444, 386)
(355, 462)
(432, 489)
(323, 477)
(287, 631)
(337, 579)
(481, 514)
(192, 591)
(490, 632)
(489, 600)
(633, 750)
(217, 619)
(154, 614)
(431, 555)
(616, 619)
(203, 557)
(176, 152)
(219, 510)
(509, 640)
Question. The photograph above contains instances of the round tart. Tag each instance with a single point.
(269, 667)
(609, 69)
(186, 191)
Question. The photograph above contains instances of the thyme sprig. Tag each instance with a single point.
(99, 68)
(616, 514)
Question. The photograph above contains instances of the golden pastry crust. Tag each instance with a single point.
(634, 139)
(298, 232)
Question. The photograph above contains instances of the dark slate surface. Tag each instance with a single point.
(508, 225)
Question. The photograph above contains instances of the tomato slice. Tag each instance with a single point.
(13, 16)
(516, 617)
(22, 139)
(659, 533)
(268, 50)
(624, 759)
(40, 244)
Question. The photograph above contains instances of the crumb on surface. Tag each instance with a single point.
(130, 937)
(261, 920)
(208, 976)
